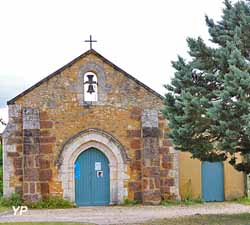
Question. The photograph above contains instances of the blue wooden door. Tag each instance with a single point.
(212, 181)
(92, 180)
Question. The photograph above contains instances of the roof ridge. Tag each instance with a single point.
(12, 101)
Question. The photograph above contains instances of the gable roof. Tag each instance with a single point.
(91, 51)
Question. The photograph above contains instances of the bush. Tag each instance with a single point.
(51, 202)
(128, 202)
(244, 200)
(191, 201)
(14, 200)
(170, 202)
(186, 201)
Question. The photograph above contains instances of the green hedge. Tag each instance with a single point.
(13, 200)
(51, 202)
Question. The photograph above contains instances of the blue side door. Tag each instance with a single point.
(212, 181)
(92, 179)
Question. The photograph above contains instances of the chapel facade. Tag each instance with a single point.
(91, 133)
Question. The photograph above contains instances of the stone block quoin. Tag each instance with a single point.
(31, 151)
(37, 144)
(12, 152)
(150, 158)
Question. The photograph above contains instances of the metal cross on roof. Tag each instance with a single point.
(90, 41)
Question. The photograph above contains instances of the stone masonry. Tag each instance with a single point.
(150, 157)
(13, 152)
(50, 124)
(31, 152)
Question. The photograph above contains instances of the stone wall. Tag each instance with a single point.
(28, 147)
(31, 152)
(125, 110)
(13, 152)
(190, 172)
(150, 158)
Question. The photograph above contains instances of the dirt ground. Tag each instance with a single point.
(122, 214)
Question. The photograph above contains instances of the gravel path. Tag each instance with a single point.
(122, 215)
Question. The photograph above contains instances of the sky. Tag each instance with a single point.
(140, 36)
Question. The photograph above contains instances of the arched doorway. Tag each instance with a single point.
(107, 145)
(92, 178)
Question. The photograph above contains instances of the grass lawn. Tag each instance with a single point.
(2, 209)
(238, 219)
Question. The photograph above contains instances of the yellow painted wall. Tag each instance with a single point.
(234, 184)
(190, 179)
(189, 176)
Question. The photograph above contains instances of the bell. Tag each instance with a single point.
(90, 77)
(90, 89)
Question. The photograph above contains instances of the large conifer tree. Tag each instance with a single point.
(208, 101)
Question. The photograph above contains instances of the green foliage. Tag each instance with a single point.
(208, 101)
(186, 201)
(244, 200)
(170, 202)
(188, 190)
(51, 202)
(188, 193)
(14, 200)
(128, 202)
(191, 201)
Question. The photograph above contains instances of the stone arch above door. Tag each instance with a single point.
(112, 149)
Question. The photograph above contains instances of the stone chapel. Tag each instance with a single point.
(90, 133)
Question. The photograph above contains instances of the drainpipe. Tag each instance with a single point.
(247, 179)
(248, 186)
